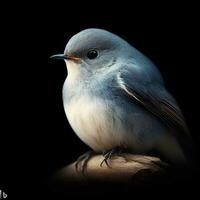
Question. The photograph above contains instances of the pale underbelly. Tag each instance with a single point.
(95, 124)
(103, 126)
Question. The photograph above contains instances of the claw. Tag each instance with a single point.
(109, 154)
(106, 162)
(82, 161)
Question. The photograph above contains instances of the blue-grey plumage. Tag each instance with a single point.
(115, 96)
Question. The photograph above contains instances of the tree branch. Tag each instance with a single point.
(125, 168)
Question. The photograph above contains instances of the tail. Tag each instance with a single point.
(179, 152)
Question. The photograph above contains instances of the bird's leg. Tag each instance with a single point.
(110, 153)
(82, 161)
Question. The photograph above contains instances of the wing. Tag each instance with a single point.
(153, 96)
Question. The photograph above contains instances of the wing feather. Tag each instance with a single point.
(153, 97)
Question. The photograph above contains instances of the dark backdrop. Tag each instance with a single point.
(38, 138)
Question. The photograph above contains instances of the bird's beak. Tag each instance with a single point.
(59, 56)
(65, 57)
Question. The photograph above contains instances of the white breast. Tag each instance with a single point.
(92, 122)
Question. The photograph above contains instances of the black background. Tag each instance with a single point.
(36, 137)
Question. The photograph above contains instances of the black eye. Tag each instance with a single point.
(92, 54)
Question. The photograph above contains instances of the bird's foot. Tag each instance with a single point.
(117, 151)
(82, 161)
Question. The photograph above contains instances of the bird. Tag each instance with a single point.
(115, 99)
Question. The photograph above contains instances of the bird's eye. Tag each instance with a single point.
(92, 54)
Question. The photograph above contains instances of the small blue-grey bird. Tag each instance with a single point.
(114, 97)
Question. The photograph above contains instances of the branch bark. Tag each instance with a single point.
(125, 168)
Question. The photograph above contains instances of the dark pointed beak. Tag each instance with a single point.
(65, 57)
(59, 57)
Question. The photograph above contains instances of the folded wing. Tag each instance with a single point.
(152, 96)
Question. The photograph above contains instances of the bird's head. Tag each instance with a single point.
(91, 50)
